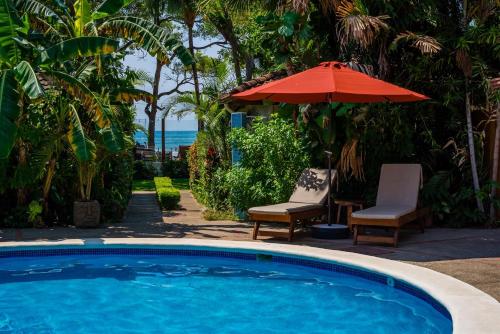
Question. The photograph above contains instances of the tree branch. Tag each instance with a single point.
(223, 44)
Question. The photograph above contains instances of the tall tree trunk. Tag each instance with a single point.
(472, 150)
(194, 69)
(237, 64)
(154, 105)
(224, 25)
(249, 67)
(163, 139)
(494, 170)
(466, 67)
(21, 161)
(51, 170)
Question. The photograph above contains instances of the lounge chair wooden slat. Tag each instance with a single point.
(313, 205)
(397, 173)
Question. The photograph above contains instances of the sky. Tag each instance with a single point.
(143, 61)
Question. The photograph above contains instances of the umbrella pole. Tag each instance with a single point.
(329, 155)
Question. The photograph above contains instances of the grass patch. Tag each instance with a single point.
(143, 185)
(181, 184)
(218, 215)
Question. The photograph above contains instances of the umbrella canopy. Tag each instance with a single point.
(330, 82)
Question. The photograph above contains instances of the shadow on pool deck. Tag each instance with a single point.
(471, 255)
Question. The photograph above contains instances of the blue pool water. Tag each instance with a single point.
(195, 294)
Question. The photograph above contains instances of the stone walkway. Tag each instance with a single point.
(471, 255)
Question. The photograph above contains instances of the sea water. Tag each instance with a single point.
(173, 139)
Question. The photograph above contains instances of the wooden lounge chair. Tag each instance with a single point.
(307, 201)
(396, 204)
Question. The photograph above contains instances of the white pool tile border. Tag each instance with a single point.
(472, 311)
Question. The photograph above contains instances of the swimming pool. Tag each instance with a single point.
(179, 289)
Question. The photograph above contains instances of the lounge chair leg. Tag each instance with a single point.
(396, 237)
(291, 230)
(355, 237)
(256, 230)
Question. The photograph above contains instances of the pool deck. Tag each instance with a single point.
(470, 255)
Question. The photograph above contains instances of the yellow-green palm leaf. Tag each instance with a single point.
(9, 112)
(78, 47)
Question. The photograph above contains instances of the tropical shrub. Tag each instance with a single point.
(273, 157)
(143, 171)
(113, 189)
(168, 196)
(177, 169)
(204, 162)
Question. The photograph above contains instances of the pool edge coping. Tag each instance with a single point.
(472, 310)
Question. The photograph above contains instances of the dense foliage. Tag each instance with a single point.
(447, 50)
(66, 116)
(66, 113)
(273, 157)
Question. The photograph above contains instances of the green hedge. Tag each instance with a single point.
(168, 196)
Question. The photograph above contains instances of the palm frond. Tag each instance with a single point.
(355, 25)
(158, 41)
(130, 95)
(427, 45)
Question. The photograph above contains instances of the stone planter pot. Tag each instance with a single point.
(86, 214)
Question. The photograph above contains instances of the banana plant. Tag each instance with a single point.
(19, 83)
(158, 41)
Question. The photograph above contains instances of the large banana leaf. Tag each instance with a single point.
(83, 148)
(130, 95)
(113, 138)
(37, 8)
(27, 79)
(99, 111)
(42, 13)
(82, 16)
(9, 112)
(158, 41)
(78, 47)
(109, 7)
(9, 22)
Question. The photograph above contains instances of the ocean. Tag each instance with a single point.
(172, 139)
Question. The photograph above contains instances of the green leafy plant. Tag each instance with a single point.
(175, 168)
(273, 157)
(35, 210)
(168, 196)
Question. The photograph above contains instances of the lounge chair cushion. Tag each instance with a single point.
(284, 208)
(312, 186)
(399, 185)
(383, 212)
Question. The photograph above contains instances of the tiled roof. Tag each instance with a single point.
(276, 75)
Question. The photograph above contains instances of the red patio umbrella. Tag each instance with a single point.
(330, 82)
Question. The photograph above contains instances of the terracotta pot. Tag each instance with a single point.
(86, 213)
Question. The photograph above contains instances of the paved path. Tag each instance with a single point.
(471, 255)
